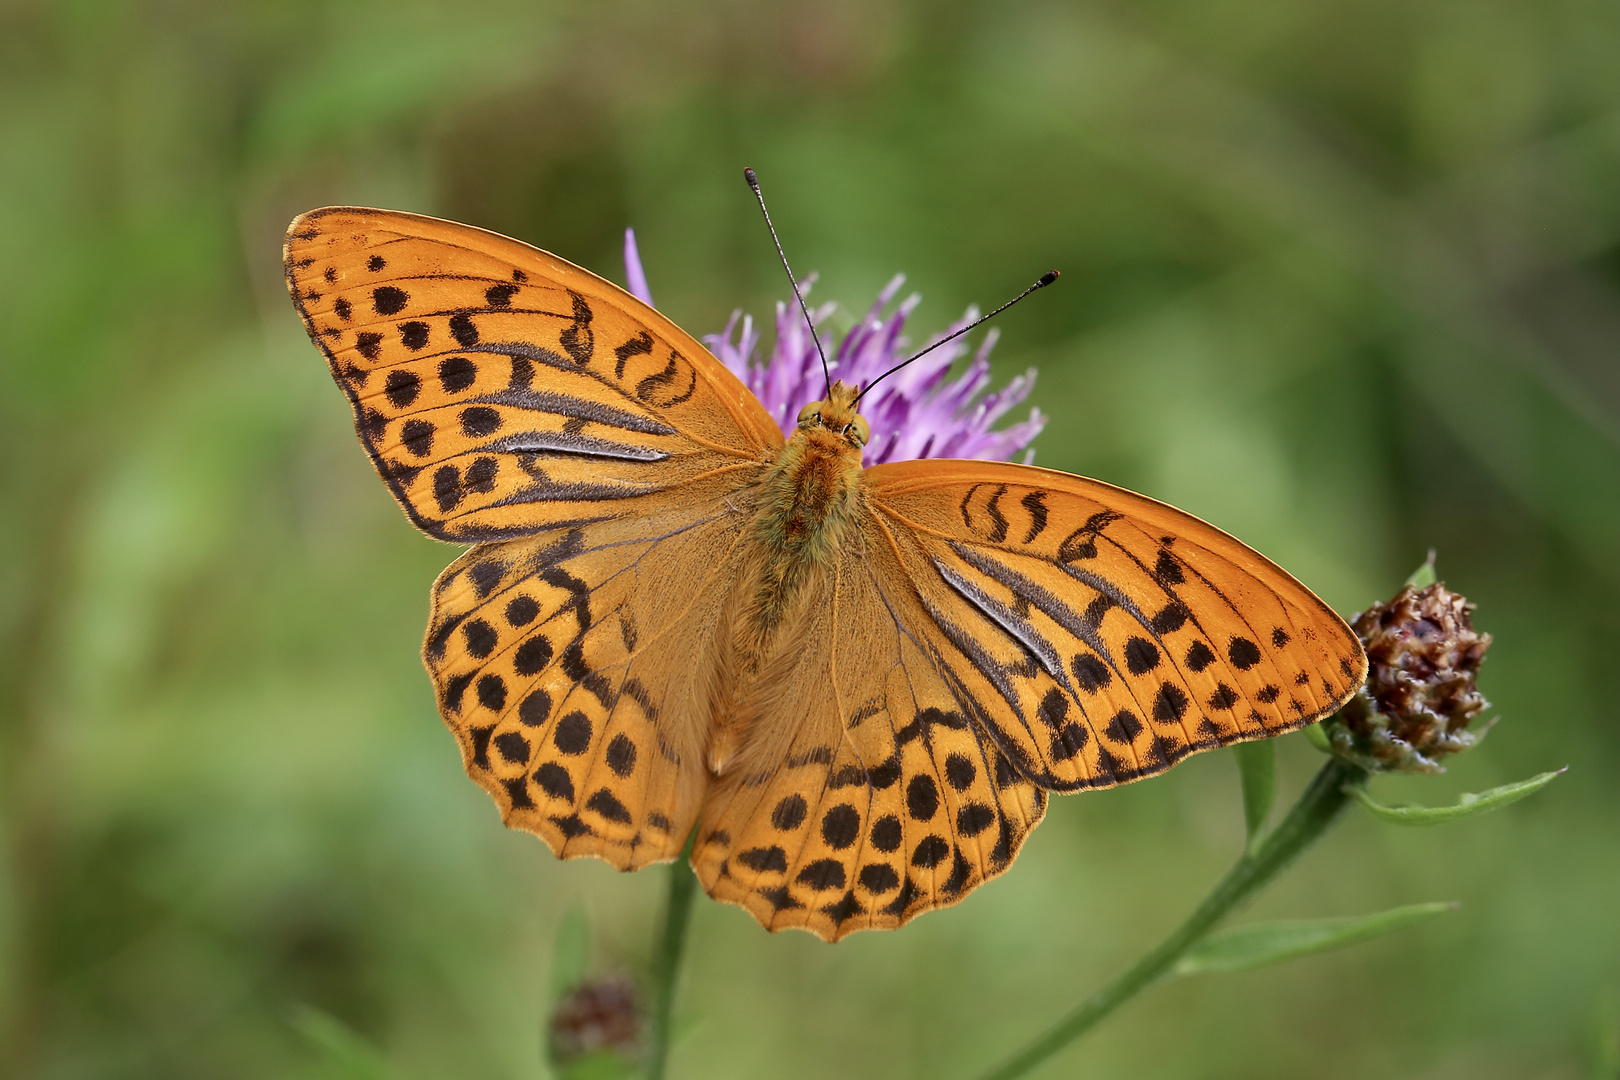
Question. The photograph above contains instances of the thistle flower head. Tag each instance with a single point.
(1423, 656)
(919, 412)
(598, 1015)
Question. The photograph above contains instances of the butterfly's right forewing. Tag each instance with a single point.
(499, 389)
(591, 448)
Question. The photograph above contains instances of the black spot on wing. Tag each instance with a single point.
(822, 875)
(1243, 653)
(555, 781)
(621, 756)
(1082, 543)
(998, 527)
(886, 834)
(389, 300)
(463, 330)
(639, 345)
(402, 388)
(1035, 503)
(1124, 727)
(417, 435)
(577, 338)
(414, 335)
(1199, 656)
(605, 803)
(764, 859)
(1141, 655)
(790, 813)
(456, 373)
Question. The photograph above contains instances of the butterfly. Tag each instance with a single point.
(851, 688)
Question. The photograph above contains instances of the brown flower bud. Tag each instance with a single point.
(1422, 656)
(597, 1015)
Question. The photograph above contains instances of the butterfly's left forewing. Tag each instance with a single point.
(1096, 635)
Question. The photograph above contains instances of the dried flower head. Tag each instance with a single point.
(920, 412)
(597, 1015)
(1423, 656)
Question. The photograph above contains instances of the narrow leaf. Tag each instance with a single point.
(1605, 1036)
(570, 952)
(1467, 806)
(1424, 576)
(1270, 943)
(347, 1051)
(1257, 766)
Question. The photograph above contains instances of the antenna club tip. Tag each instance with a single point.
(752, 178)
(1047, 278)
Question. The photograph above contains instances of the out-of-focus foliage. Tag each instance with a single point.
(1342, 277)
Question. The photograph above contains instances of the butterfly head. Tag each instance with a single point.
(837, 414)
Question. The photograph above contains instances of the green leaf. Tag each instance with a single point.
(1467, 806)
(1605, 1036)
(1257, 765)
(1424, 575)
(1318, 738)
(346, 1051)
(597, 1065)
(1270, 943)
(570, 952)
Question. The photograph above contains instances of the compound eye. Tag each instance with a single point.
(810, 412)
(859, 431)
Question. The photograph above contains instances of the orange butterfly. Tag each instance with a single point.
(857, 685)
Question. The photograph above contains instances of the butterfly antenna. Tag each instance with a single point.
(1046, 279)
(753, 184)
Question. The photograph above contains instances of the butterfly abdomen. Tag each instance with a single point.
(806, 512)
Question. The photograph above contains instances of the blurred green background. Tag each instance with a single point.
(1342, 277)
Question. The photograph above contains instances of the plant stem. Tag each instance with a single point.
(672, 943)
(1322, 802)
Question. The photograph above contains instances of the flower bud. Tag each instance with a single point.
(597, 1015)
(1422, 659)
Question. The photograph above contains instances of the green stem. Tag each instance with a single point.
(1318, 807)
(672, 943)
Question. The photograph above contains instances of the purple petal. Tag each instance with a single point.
(918, 412)
(634, 275)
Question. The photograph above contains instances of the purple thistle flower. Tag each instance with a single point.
(919, 412)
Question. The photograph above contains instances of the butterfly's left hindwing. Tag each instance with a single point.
(498, 388)
(1096, 635)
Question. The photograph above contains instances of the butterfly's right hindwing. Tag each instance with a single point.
(572, 667)
(872, 798)
(499, 388)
